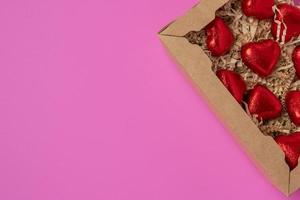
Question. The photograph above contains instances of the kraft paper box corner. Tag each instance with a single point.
(263, 150)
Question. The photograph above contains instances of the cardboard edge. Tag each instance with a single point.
(205, 10)
(294, 179)
(262, 149)
(164, 28)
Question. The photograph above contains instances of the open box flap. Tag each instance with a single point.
(195, 19)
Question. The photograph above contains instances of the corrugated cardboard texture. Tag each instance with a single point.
(262, 149)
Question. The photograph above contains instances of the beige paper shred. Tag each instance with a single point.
(247, 29)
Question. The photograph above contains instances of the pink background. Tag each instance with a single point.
(92, 107)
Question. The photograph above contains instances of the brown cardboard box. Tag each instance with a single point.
(262, 149)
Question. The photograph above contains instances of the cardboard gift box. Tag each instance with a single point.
(263, 150)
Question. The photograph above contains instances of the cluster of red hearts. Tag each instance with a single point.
(262, 57)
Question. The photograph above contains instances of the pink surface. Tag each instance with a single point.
(92, 107)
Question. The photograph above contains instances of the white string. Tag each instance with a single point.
(275, 10)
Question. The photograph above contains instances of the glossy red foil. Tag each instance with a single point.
(263, 103)
(219, 37)
(290, 15)
(296, 60)
(233, 82)
(260, 9)
(290, 144)
(292, 102)
(261, 57)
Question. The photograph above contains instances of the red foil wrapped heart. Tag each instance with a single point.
(219, 37)
(292, 102)
(289, 15)
(296, 60)
(233, 82)
(261, 57)
(290, 144)
(260, 9)
(263, 103)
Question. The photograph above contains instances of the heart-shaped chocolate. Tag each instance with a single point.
(260, 9)
(261, 57)
(263, 104)
(290, 144)
(290, 16)
(219, 37)
(296, 60)
(233, 82)
(292, 102)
